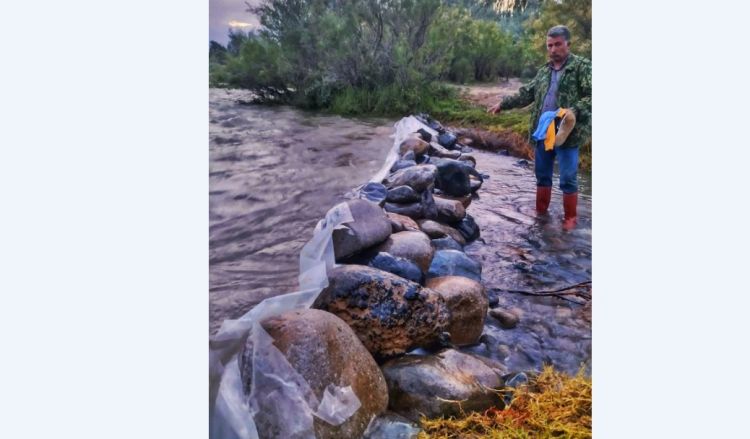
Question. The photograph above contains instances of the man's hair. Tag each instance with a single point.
(559, 31)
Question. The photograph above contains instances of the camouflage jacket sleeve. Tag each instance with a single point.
(583, 105)
(524, 97)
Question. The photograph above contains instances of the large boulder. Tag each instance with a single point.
(414, 246)
(454, 263)
(324, 351)
(449, 211)
(453, 176)
(389, 314)
(467, 301)
(432, 385)
(370, 226)
(434, 229)
(418, 177)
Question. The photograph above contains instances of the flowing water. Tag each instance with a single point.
(275, 171)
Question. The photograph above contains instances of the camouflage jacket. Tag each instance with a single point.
(574, 91)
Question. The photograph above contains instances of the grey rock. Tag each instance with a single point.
(370, 226)
(454, 263)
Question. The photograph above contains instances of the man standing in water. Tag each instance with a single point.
(564, 82)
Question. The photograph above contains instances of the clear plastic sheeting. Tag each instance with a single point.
(277, 389)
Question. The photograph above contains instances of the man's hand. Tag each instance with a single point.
(494, 109)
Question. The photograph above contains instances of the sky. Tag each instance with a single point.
(223, 12)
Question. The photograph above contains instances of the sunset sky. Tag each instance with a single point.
(223, 14)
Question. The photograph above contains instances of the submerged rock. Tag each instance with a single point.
(323, 350)
(417, 177)
(389, 314)
(413, 246)
(434, 229)
(468, 304)
(390, 425)
(403, 194)
(431, 384)
(507, 319)
(454, 263)
(370, 226)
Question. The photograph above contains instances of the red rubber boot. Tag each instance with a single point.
(570, 204)
(543, 196)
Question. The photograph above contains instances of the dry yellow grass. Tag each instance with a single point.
(552, 405)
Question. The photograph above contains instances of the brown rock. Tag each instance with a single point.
(507, 319)
(465, 200)
(434, 229)
(468, 303)
(413, 246)
(449, 211)
(468, 158)
(389, 314)
(323, 350)
(370, 226)
(429, 384)
(439, 150)
(400, 223)
(415, 144)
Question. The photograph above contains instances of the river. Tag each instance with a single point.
(275, 171)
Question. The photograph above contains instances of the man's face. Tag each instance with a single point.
(557, 48)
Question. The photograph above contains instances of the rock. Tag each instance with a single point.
(417, 177)
(465, 200)
(398, 266)
(475, 185)
(323, 350)
(389, 314)
(466, 141)
(374, 192)
(413, 246)
(446, 243)
(426, 384)
(370, 226)
(400, 223)
(390, 425)
(507, 320)
(447, 140)
(468, 228)
(403, 194)
(449, 211)
(411, 210)
(434, 229)
(467, 301)
(454, 263)
(418, 146)
(429, 208)
(453, 177)
(426, 136)
(438, 151)
(408, 155)
(468, 159)
(402, 164)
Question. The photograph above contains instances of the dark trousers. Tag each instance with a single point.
(544, 162)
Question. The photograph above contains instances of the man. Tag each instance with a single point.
(564, 82)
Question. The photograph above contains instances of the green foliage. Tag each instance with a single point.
(575, 14)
